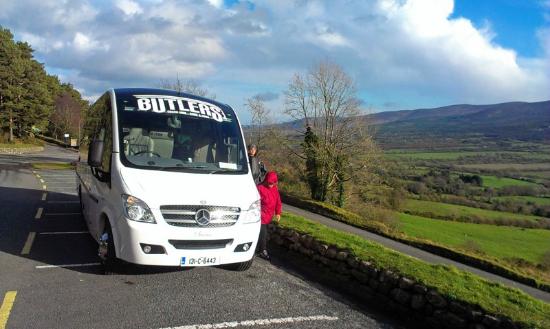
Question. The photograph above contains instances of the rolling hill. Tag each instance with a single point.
(514, 120)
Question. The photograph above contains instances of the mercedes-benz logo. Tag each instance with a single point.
(202, 217)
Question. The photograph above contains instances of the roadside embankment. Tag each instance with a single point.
(435, 296)
(381, 229)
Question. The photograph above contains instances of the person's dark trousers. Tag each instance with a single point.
(262, 242)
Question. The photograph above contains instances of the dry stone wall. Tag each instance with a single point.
(398, 293)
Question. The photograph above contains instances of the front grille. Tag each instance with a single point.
(200, 244)
(184, 215)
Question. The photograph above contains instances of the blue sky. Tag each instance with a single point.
(402, 54)
(514, 22)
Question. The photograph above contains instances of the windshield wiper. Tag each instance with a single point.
(226, 171)
(183, 168)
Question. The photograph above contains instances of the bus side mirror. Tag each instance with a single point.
(95, 153)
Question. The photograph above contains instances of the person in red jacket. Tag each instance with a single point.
(270, 205)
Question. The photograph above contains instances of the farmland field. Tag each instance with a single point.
(523, 198)
(455, 155)
(498, 182)
(507, 166)
(498, 242)
(466, 212)
(450, 211)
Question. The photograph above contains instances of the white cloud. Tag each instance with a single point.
(455, 57)
(400, 49)
(41, 44)
(328, 37)
(83, 43)
(129, 7)
(216, 3)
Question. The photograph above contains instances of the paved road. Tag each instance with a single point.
(41, 229)
(415, 252)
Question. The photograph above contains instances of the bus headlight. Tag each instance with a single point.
(137, 210)
(253, 214)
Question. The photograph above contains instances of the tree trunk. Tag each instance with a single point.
(11, 126)
(341, 190)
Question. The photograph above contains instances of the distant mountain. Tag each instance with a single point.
(515, 120)
(451, 125)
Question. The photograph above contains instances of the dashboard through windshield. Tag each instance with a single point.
(165, 132)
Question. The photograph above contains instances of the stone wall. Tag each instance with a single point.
(397, 293)
(21, 150)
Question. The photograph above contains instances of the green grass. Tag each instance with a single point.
(498, 182)
(518, 167)
(450, 211)
(455, 155)
(520, 198)
(52, 165)
(498, 242)
(17, 145)
(426, 155)
(449, 281)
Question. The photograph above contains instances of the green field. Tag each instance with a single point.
(498, 242)
(450, 211)
(517, 167)
(498, 182)
(455, 155)
(520, 198)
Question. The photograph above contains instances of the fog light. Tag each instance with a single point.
(152, 249)
(243, 247)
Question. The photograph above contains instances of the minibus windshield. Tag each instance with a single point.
(173, 133)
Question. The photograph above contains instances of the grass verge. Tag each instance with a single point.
(455, 284)
(52, 165)
(18, 145)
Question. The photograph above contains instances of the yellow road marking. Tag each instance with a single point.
(37, 175)
(41, 181)
(44, 196)
(28, 244)
(43, 187)
(5, 310)
(39, 213)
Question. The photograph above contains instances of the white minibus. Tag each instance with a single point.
(163, 179)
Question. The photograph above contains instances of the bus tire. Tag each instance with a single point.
(111, 264)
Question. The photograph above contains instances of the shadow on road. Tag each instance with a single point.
(60, 234)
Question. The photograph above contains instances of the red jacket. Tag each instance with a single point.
(270, 198)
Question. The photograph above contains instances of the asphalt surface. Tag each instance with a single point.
(41, 228)
(415, 252)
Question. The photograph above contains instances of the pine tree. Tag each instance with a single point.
(10, 70)
(27, 92)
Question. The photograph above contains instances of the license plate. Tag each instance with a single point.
(199, 261)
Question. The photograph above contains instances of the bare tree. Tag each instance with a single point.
(336, 145)
(67, 114)
(260, 116)
(189, 86)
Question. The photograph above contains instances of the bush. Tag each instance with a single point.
(472, 246)
(545, 260)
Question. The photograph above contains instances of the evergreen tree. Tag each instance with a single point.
(27, 92)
